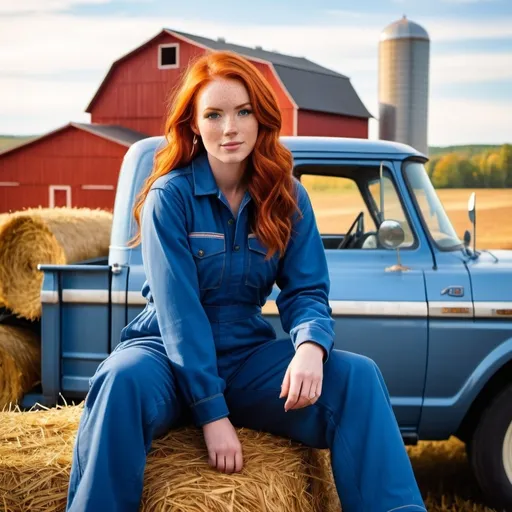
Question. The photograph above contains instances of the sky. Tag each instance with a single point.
(54, 54)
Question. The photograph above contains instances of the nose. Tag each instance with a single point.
(230, 126)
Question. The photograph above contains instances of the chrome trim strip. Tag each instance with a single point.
(49, 297)
(85, 296)
(450, 309)
(434, 309)
(365, 308)
(501, 310)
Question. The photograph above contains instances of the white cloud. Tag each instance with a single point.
(457, 120)
(470, 67)
(48, 43)
(12, 7)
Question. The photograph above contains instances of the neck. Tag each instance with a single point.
(229, 177)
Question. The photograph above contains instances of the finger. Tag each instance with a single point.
(239, 461)
(313, 395)
(293, 395)
(212, 461)
(285, 386)
(319, 389)
(220, 462)
(304, 399)
(230, 463)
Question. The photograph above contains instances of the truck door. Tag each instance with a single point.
(455, 339)
(378, 312)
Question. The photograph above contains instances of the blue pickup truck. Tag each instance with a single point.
(406, 290)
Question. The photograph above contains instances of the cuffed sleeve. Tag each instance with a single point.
(185, 329)
(303, 279)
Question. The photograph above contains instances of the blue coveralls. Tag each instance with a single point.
(201, 350)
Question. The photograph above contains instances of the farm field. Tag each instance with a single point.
(335, 211)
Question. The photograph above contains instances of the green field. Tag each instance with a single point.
(10, 141)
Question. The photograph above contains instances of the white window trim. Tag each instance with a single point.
(53, 188)
(97, 187)
(169, 66)
(9, 184)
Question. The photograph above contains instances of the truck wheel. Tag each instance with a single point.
(490, 450)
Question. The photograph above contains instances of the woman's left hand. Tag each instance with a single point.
(302, 383)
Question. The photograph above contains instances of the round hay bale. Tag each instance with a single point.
(20, 363)
(45, 235)
(36, 452)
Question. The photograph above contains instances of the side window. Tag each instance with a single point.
(336, 202)
(392, 206)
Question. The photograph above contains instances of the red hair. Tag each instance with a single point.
(269, 168)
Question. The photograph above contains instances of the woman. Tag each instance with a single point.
(221, 220)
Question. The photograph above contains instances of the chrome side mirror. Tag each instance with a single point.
(472, 216)
(391, 235)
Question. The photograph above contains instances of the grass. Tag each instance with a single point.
(10, 141)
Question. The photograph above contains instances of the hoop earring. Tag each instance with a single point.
(194, 144)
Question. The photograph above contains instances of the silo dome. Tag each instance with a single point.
(404, 52)
(404, 29)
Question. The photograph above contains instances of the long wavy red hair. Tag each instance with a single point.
(269, 168)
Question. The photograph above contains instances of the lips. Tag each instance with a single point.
(231, 144)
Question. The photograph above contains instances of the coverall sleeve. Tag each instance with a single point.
(186, 332)
(303, 279)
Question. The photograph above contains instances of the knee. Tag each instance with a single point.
(119, 374)
(352, 368)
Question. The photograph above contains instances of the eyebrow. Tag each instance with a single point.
(220, 110)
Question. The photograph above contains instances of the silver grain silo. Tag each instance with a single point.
(404, 51)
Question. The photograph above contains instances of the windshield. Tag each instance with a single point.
(432, 211)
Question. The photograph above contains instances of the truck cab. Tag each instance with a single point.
(406, 291)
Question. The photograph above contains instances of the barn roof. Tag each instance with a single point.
(114, 133)
(323, 92)
(320, 89)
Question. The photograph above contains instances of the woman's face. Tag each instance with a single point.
(225, 120)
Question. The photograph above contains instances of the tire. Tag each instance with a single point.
(490, 453)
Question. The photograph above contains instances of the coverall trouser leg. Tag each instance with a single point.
(353, 418)
(132, 400)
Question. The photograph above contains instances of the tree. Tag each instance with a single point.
(505, 163)
(497, 174)
(446, 172)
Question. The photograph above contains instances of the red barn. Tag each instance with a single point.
(78, 164)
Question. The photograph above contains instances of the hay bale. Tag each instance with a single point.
(36, 452)
(20, 363)
(45, 235)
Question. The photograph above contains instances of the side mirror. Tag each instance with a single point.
(472, 208)
(472, 216)
(391, 235)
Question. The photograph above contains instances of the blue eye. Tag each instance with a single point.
(209, 116)
(245, 112)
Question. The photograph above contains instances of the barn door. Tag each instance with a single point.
(60, 195)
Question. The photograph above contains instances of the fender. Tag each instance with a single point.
(441, 417)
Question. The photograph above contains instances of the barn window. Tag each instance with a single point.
(168, 56)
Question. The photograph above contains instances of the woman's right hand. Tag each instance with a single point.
(224, 448)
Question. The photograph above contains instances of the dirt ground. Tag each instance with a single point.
(336, 211)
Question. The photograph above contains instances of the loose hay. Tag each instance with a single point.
(20, 363)
(36, 452)
(45, 235)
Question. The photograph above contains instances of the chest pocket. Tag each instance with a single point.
(259, 273)
(209, 251)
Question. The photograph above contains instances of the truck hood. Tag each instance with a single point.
(492, 280)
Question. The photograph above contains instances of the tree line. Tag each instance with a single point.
(490, 168)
